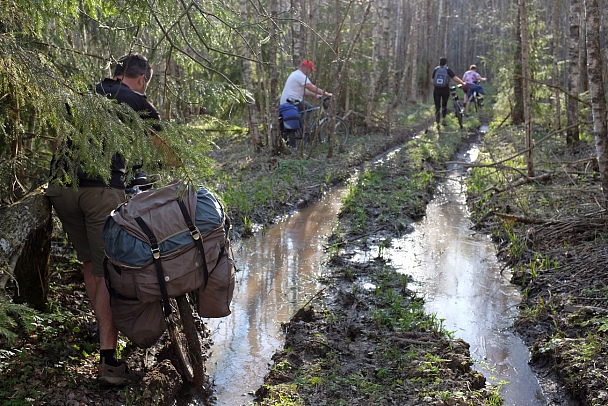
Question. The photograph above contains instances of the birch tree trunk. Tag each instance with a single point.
(252, 110)
(517, 115)
(273, 101)
(555, 44)
(574, 77)
(296, 29)
(375, 71)
(595, 70)
(525, 52)
(413, 91)
(300, 14)
(443, 25)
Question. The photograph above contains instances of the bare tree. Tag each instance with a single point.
(252, 110)
(415, 33)
(275, 135)
(555, 45)
(525, 54)
(595, 70)
(374, 75)
(574, 77)
(517, 114)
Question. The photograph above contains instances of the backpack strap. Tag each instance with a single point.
(196, 236)
(157, 264)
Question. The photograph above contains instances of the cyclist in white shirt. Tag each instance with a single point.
(299, 85)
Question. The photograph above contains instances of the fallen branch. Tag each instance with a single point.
(520, 182)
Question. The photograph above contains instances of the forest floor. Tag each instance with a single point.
(359, 347)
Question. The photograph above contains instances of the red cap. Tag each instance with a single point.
(308, 64)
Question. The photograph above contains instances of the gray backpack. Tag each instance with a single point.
(441, 77)
(161, 244)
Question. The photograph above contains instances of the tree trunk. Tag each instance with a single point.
(517, 115)
(25, 242)
(275, 134)
(252, 111)
(574, 77)
(595, 70)
(374, 76)
(414, 57)
(523, 15)
(555, 45)
(296, 32)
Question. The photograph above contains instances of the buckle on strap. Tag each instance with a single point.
(156, 252)
(195, 234)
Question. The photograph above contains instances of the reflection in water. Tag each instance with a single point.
(454, 269)
(278, 273)
(458, 274)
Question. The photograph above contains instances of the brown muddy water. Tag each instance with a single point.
(278, 273)
(452, 267)
(457, 273)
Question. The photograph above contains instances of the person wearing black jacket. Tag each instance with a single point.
(441, 94)
(83, 210)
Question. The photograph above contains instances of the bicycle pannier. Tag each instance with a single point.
(290, 116)
(441, 77)
(164, 243)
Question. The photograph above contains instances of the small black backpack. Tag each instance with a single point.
(441, 77)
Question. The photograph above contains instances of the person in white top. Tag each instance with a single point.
(299, 85)
(470, 78)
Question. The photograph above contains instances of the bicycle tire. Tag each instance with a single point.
(458, 112)
(341, 132)
(186, 341)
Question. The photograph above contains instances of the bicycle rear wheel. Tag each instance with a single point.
(186, 341)
(339, 135)
(458, 112)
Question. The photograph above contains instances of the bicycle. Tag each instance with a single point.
(318, 130)
(475, 97)
(185, 328)
(458, 109)
(139, 181)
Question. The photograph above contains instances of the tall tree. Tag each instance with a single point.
(517, 113)
(555, 45)
(374, 74)
(574, 77)
(595, 72)
(525, 54)
(252, 111)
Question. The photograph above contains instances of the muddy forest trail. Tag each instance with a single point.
(353, 346)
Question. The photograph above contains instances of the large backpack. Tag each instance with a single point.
(164, 243)
(290, 117)
(441, 77)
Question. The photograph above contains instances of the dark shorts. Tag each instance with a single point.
(82, 213)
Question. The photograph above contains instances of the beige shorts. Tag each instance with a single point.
(83, 213)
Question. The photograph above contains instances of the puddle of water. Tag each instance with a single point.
(457, 273)
(454, 269)
(278, 273)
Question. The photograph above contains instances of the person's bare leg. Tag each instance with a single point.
(100, 300)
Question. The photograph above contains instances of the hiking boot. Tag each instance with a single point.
(115, 376)
(443, 123)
